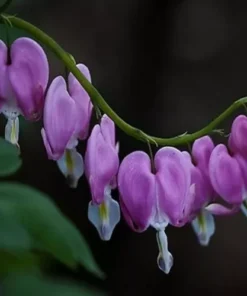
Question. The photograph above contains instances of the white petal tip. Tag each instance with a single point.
(204, 227)
(165, 265)
(105, 232)
(104, 217)
(71, 181)
(71, 166)
(165, 258)
(203, 239)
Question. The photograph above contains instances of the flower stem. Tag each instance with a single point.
(99, 101)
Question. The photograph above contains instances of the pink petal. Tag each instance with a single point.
(101, 164)
(83, 102)
(49, 151)
(4, 84)
(29, 73)
(201, 151)
(136, 185)
(201, 188)
(173, 183)
(59, 118)
(221, 210)
(225, 175)
(108, 130)
(237, 140)
(242, 161)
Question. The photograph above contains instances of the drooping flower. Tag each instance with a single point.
(227, 176)
(24, 73)
(203, 223)
(157, 198)
(67, 114)
(237, 140)
(101, 168)
(238, 147)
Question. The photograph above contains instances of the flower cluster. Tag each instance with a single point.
(172, 188)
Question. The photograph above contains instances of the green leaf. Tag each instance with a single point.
(10, 160)
(19, 261)
(15, 244)
(48, 227)
(30, 285)
(13, 236)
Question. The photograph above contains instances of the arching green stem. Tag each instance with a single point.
(99, 101)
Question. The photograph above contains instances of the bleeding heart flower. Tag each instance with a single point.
(24, 75)
(156, 198)
(101, 168)
(67, 115)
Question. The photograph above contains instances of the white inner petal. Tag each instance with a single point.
(105, 216)
(204, 227)
(11, 111)
(73, 142)
(159, 219)
(12, 130)
(165, 258)
(71, 166)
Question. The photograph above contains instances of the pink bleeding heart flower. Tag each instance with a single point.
(203, 221)
(227, 178)
(238, 147)
(237, 143)
(24, 72)
(101, 168)
(67, 114)
(156, 198)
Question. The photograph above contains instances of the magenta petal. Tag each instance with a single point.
(3, 72)
(101, 164)
(225, 175)
(173, 183)
(28, 74)
(59, 118)
(242, 161)
(219, 210)
(237, 140)
(47, 145)
(83, 102)
(108, 130)
(136, 185)
(202, 187)
(201, 151)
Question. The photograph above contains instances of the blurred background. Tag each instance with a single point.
(166, 67)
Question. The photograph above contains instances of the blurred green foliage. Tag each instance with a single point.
(31, 284)
(32, 231)
(9, 158)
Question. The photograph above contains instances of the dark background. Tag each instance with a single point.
(166, 67)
